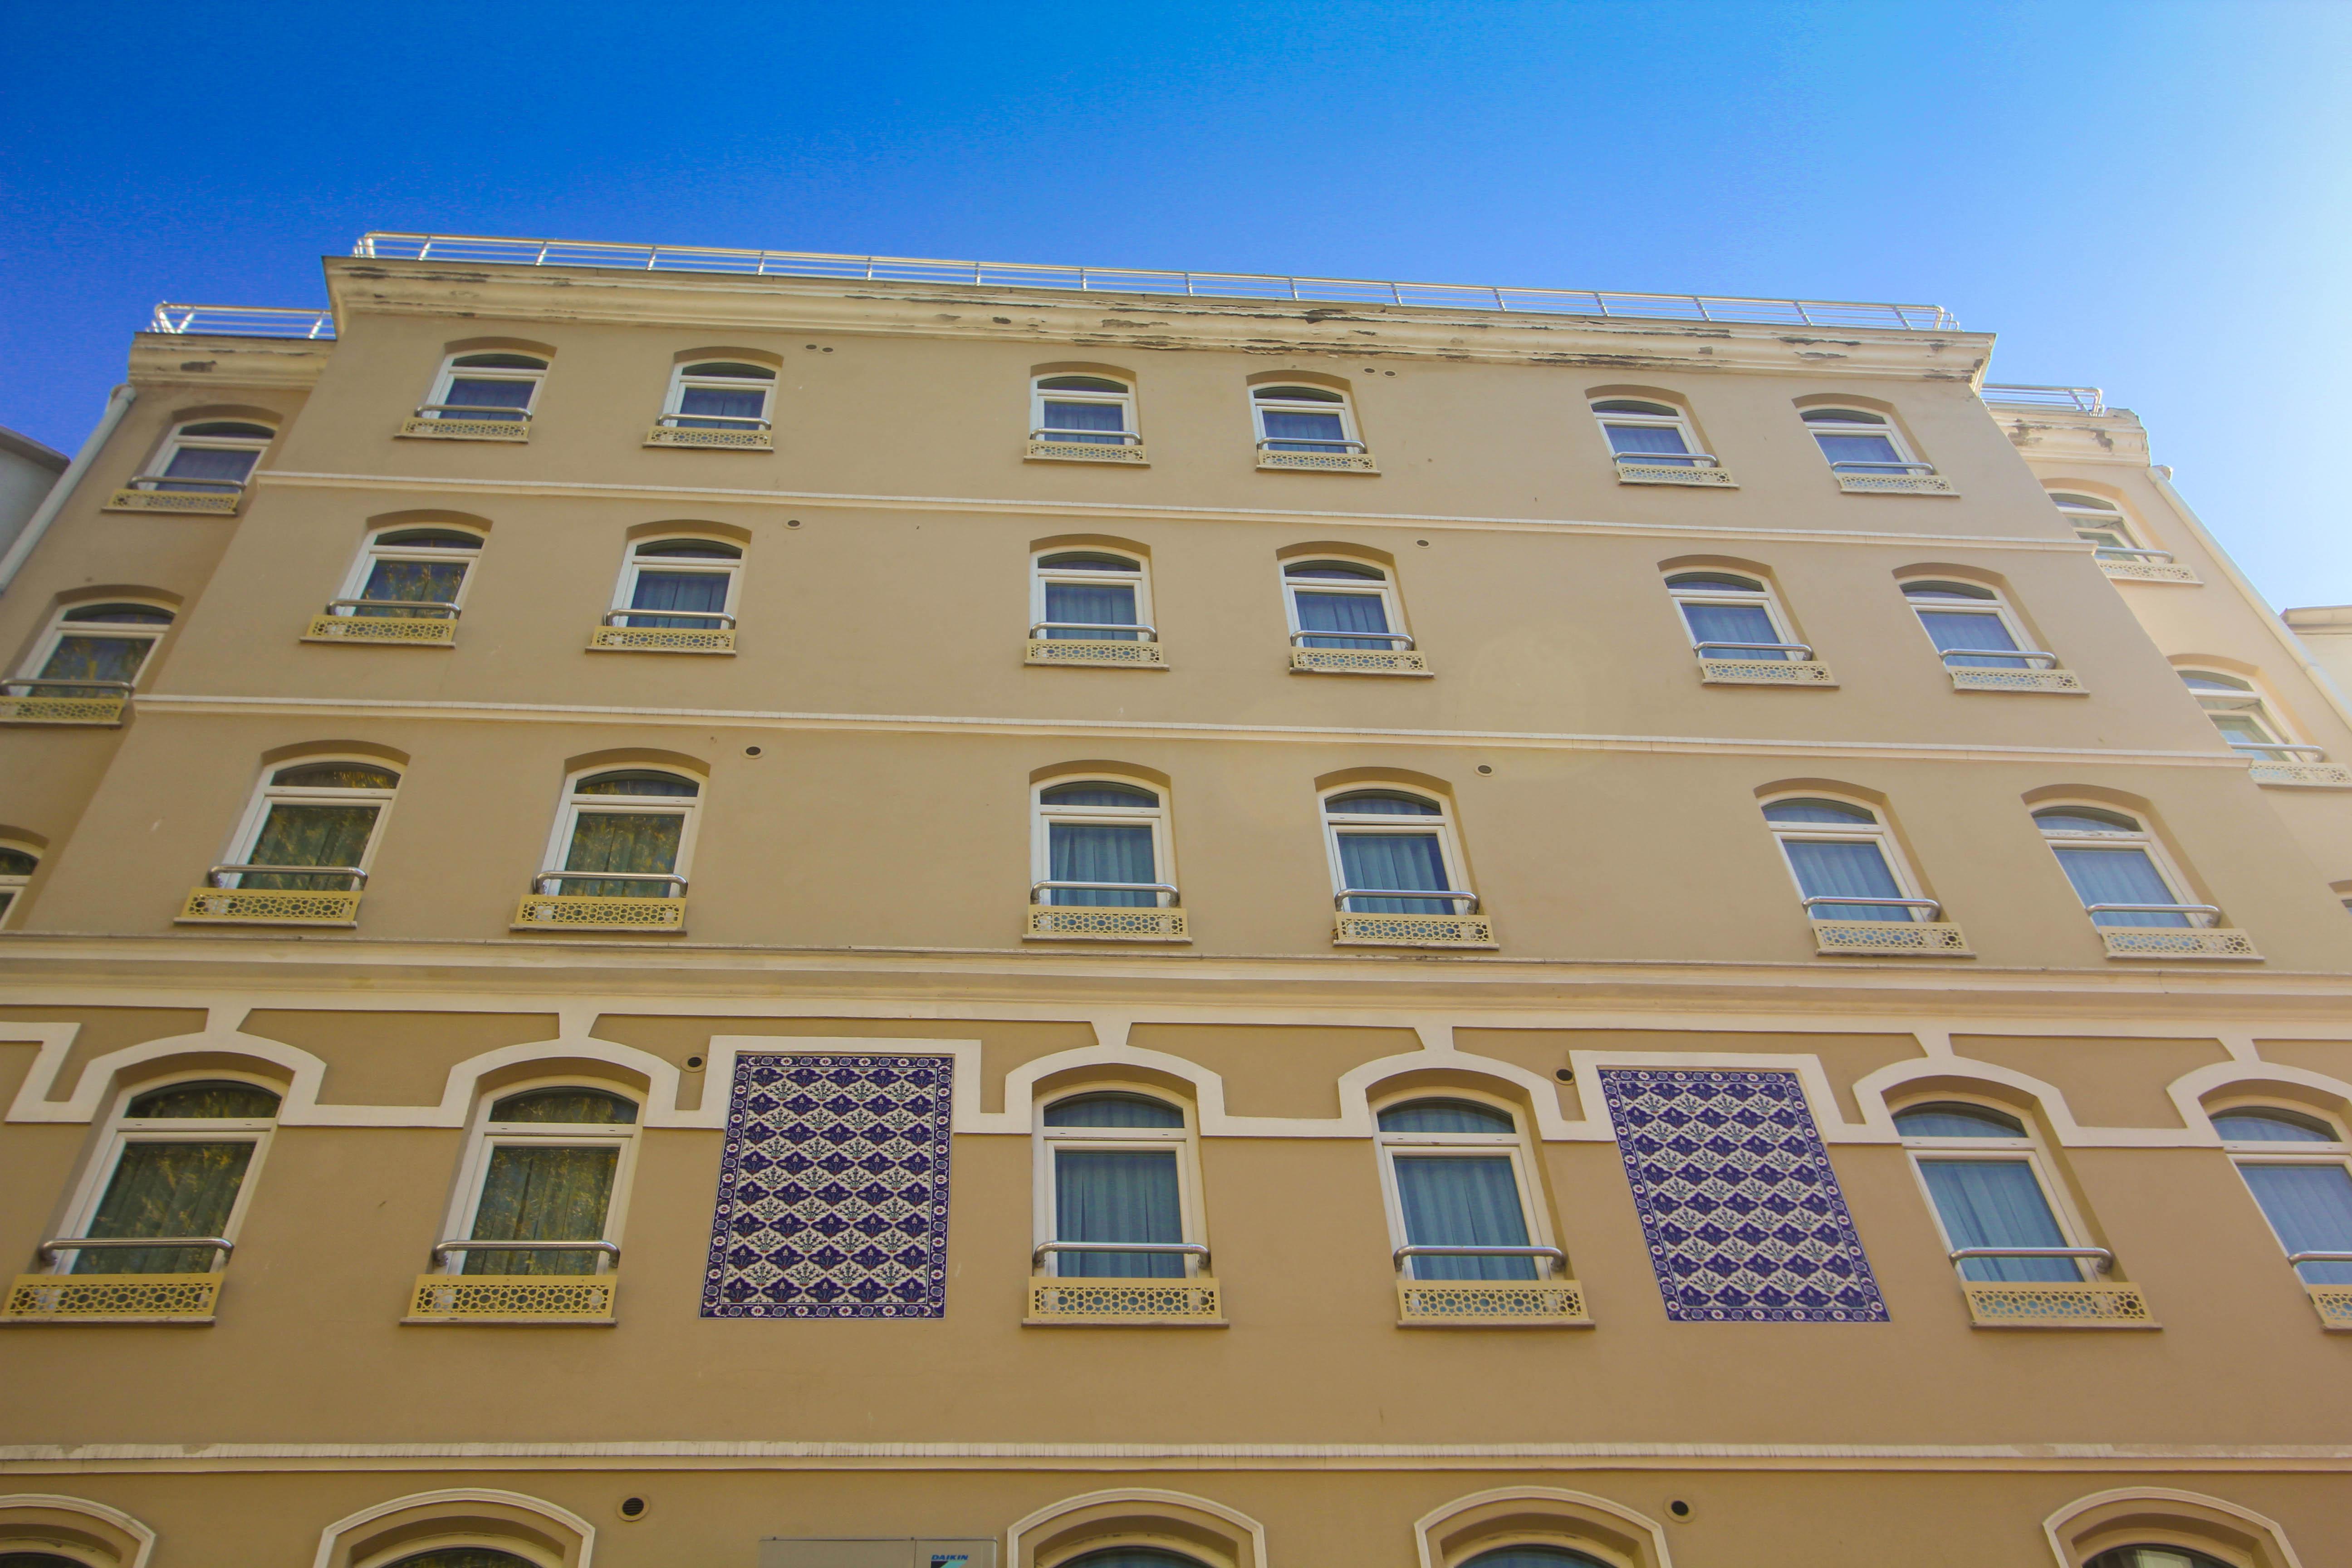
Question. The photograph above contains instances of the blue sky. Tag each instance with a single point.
(2150, 197)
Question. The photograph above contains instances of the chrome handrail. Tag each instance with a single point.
(1393, 638)
(2103, 1260)
(1175, 898)
(1768, 646)
(57, 1244)
(1400, 1254)
(123, 686)
(2109, 552)
(2025, 652)
(441, 1250)
(1936, 910)
(1285, 443)
(2153, 909)
(1841, 465)
(1185, 1248)
(538, 883)
(519, 416)
(1059, 433)
(1340, 900)
(2319, 1258)
(2082, 399)
(141, 481)
(213, 876)
(672, 420)
(2316, 753)
(1709, 458)
(334, 605)
(242, 321)
(612, 617)
(1151, 633)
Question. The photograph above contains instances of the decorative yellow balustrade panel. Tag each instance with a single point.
(1320, 462)
(1127, 1304)
(1350, 930)
(466, 429)
(111, 1299)
(407, 631)
(713, 440)
(269, 907)
(1491, 1304)
(1630, 473)
(1359, 661)
(1076, 651)
(2147, 571)
(513, 1298)
(587, 911)
(1931, 938)
(1085, 452)
(1764, 672)
(2006, 1305)
(1080, 922)
(2177, 942)
(2301, 776)
(2334, 1305)
(1896, 484)
(2064, 681)
(201, 503)
(107, 709)
(662, 640)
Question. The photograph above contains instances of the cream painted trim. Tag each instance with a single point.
(113, 1517)
(1429, 1524)
(1312, 734)
(577, 489)
(2189, 1089)
(1032, 1522)
(332, 1537)
(2056, 1523)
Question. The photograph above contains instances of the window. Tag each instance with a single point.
(1342, 603)
(625, 834)
(494, 387)
(175, 1169)
(1083, 410)
(2116, 868)
(688, 583)
(1090, 596)
(2154, 1557)
(105, 644)
(1984, 1177)
(1455, 1175)
(1649, 433)
(1393, 852)
(2246, 722)
(2100, 523)
(465, 1557)
(1115, 1174)
(322, 813)
(409, 572)
(2295, 1164)
(1532, 1555)
(18, 864)
(1856, 441)
(1732, 617)
(208, 456)
(1304, 419)
(720, 395)
(1103, 844)
(1971, 627)
(546, 1166)
(1845, 861)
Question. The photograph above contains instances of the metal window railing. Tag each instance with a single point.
(1088, 437)
(1394, 639)
(1552, 1254)
(1860, 465)
(2082, 399)
(2280, 749)
(2101, 1260)
(1309, 443)
(2208, 912)
(1761, 647)
(2049, 661)
(1935, 910)
(441, 1250)
(1687, 459)
(1150, 634)
(336, 607)
(182, 482)
(1039, 1254)
(10, 683)
(2126, 552)
(677, 421)
(2299, 1257)
(57, 1244)
(1340, 900)
(1174, 898)
(506, 410)
(538, 883)
(621, 617)
(212, 876)
(242, 321)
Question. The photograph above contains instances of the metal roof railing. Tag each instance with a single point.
(2082, 399)
(242, 321)
(467, 248)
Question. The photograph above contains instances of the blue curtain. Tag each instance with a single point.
(2310, 1206)
(476, 396)
(678, 591)
(1645, 438)
(1857, 448)
(1101, 852)
(1116, 1195)
(1394, 860)
(1963, 628)
(1069, 421)
(208, 463)
(1463, 1200)
(1845, 870)
(722, 408)
(2117, 877)
(1113, 1110)
(1341, 612)
(1302, 432)
(1731, 623)
(1997, 1202)
(1444, 1116)
(1095, 604)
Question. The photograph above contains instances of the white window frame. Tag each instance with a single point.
(179, 439)
(2142, 837)
(1461, 897)
(1351, 438)
(1880, 832)
(624, 587)
(1399, 636)
(1184, 1140)
(266, 794)
(1996, 604)
(373, 549)
(451, 371)
(572, 805)
(1862, 422)
(1388, 1145)
(1138, 579)
(682, 378)
(1042, 817)
(59, 629)
(12, 885)
(120, 1130)
(484, 1136)
(1130, 423)
(2249, 698)
(2029, 1150)
(2110, 517)
(1676, 418)
(1762, 597)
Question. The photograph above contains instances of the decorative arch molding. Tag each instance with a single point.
(1872, 1091)
(1359, 1084)
(530, 1526)
(1506, 1514)
(2191, 1089)
(2163, 1516)
(1182, 1522)
(98, 1076)
(74, 1527)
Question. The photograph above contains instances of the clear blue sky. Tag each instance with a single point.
(2150, 197)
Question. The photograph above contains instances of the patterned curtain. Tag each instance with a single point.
(1394, 860)
(538, 1191)
(81, 657)
(2119, 877)
(1101, 852)
(1965, 628)
(1840, 869)
(1997, 1202)
(2310, 1206)
(1341, 612)
(1463, 1200)
(623, 841)
(311, 835)
(1732, 623)
(416, 582)
(678, 591)
(165, 1188)
(1092, 604)
(1115, 1194)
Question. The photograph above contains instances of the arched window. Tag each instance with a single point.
(213, 456)
(1858, 442)
(676, 584)
(1650, 435)
(1133, 1557)
(2117, 868)
(1118, 1193)
(2298, 1166)
(38, 1559)
(1731, 615)
(718, 395)
(1089, 595)
(1460, 1198)
(323, 812)
(621, 833)
(548, 1163)
(1392, 851)
(1343, 605)
(2102, 523)
(2270, 1124)
(1533, 1555)
(2154, 1557)
(2246, 721)
(1845, 862)
(1082, 411)
(491, 387)
(465, 1557)
(18, 864)
(92, 651)
(1972, 626)
(1101, 843)
(169, 1190)
(1307, 427)
(1986, 1177)
(409, 572)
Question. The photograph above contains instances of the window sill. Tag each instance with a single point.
(1895, 485)
(2334, 1305)
(1085, 452)
(1491, 1304)
(466, 429)
(409, 631)
(1412, 931)
(588, 912)
(1631, 473)
(1079, 654)
(1890, 938)
(2014, 1306)
(1764, 672)
(1359, 661)
(2176, 942)
(1318, 462)
(93, 712)
(1086, 922)
(576, 1300)
(2044, 682)
(269, 907)
(42, 1298)
(662, 640)
(2149, 572)
(2301, 775)
(1195, 1303)
(198, 503)
(711, 440)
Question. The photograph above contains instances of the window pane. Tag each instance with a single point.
(1116, 1195)
(1113, 1110)
(1645, 439)
(1098, 795)
(80, 657)
(1394, 860)
(2310, 1206)
(2238, 727)
(678, 591)
(1968, 628)
(542, 1193)
(1857, 448)
(1319, 612)
(2119, 877)
(1845, 870)
(1532, 1556)
(204, 1101)
(208, 463)
(1100, 852)
(1444, 1116)
(2272, 1127)
(1731, 623)
(1805, 810)
(165, 1189)
(416, 582)
(572, 1105)
(1463, 1201)
(1086, 416)
(1380, 803)
(1997, 1202)
(311, 835)
(721, 407)
(476, 399)
(1292, 432)
(1957, 1121)
(623, 841)
(1091, 604)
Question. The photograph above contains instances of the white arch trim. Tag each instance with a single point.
(1428, 1524)
(2189, 1089)
(2053, 1527)
(1871, 1091)
(98, 1075)
(1029, 1524)
(565, 1518)
(114, 1517)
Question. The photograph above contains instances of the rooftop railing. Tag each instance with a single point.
(2081, 399)
(242, 321)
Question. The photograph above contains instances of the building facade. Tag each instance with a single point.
(747, 913)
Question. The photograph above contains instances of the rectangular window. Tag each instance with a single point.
(166, 1186)
(1117, 1195)
(1995, 1201)
(542, 1191)
(2309, 1206)
(1462, 1200)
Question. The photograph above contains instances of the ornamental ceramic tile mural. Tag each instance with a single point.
(1738, 1204)
(833, 1189)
